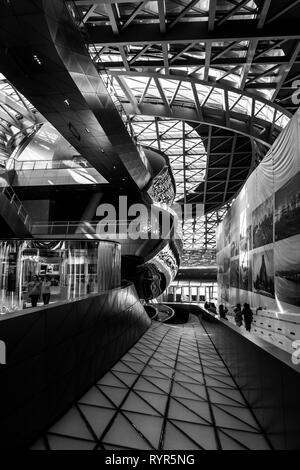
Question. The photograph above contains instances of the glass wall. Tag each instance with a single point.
(40, 272)
(190, 291)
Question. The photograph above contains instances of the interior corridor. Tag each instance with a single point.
(170, 391)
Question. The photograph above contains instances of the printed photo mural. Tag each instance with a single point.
(263, 224)
(223, 262)
(245, 271)
(287, 209)
(263, 273)
(260, 233)
(287, 270)
(235, 242)
(234, 273)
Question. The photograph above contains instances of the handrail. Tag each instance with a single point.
(69, 227)
(49, 164)
(15, 201)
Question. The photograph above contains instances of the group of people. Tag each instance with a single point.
(245, 314)
(39, 288)
(241, 315)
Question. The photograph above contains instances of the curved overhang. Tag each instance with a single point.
(189, 99)
(43, 54)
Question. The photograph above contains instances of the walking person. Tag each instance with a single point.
(34, 290)
(238, 317)
(222, 311)
(46, 290)
(248, 316)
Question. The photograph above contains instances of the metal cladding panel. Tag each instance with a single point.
(45, 57)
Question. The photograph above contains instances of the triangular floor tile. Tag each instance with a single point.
(111, 380)
(149, 426)
(128, 379)
(241, 413)
(167, 372)
(95, 397)
(252, 441)
(198, 389)
(225, 396)
(158, 401)
(134, 368)
(229, 444)
(199, 407)
(112, 447)
(180, 412)
(203, 435)
(115, 394)
(122, 433)
(65, 443)
(182, 391)
(147, 385)
(214, 382)
(135, 403)
(151, 372)
(72, 424)
(163, 384)
(225, 420)
(121, 367)
(98, 418)
(175, 440)
(180, 376)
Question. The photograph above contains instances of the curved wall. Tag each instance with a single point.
(74, 267)
(56, 353)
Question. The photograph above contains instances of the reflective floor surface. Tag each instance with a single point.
(170, 391)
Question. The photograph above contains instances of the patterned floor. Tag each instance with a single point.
(170, 391)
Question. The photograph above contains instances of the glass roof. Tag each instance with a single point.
(187, 154)
(16, 116)
(181, 143)
(180, 92)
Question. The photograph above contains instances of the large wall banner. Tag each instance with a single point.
(258, 243)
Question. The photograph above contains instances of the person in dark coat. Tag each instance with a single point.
(222, 311)
(248, 316)
(238, 315)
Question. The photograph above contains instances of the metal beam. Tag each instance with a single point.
(191, 61)
(135, 12)
(207, 60)
(212, 14)
(183, 12)
(161, 5)
(238, 30)
(231, 12)
(262, 16)
(165, 57)
(282, 11)
(213, 117)
(285, 70)
(229, 168)
(124, 57)
(111, 11)
(188, 79)
(137, 56)
(262, 74)
(207, 165)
